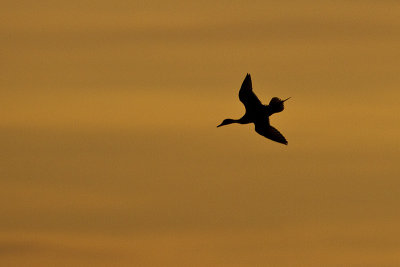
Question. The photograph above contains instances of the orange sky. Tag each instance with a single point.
(111, 155)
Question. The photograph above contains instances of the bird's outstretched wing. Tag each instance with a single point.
(247, 96)
(263, 128)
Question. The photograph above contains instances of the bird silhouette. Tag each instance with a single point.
(258, 113)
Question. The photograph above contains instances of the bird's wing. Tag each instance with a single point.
(247, 96)
(270, 132)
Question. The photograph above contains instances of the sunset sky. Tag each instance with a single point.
(110, 155)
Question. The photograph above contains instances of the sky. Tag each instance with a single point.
(110, 155)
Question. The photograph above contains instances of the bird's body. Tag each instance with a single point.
(258, 113)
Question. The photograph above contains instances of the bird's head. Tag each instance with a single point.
(277, 104)
(225, 122)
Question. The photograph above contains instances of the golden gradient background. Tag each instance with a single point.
(110, 155)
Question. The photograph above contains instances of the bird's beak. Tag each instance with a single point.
(286, 99)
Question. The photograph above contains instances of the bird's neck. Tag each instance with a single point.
(230, 121)
(271, 109)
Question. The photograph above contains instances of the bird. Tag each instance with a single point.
(258, 113)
